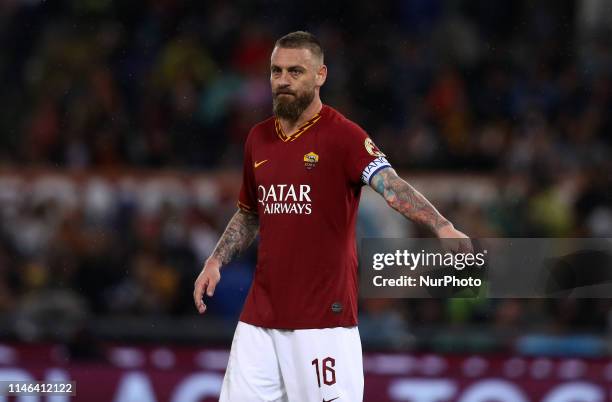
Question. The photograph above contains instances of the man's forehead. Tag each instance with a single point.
(285, 57)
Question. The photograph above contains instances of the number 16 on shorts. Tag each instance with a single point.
(325, 370)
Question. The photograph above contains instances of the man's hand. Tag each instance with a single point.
(206, 282)
(239, 233)
(454, 240)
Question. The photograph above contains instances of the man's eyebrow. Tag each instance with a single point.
(296, 67)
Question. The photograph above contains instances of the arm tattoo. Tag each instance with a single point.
(239, 234)
(406, 200)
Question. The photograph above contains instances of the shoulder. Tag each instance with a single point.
(259, 130)
(346, 130)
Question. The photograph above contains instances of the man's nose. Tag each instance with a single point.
(283, 80)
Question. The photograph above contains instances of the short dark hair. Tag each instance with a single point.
(299, 40)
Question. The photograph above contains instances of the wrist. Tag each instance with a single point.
(213, 262)
(443, 227)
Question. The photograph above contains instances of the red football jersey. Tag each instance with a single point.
(305, 189)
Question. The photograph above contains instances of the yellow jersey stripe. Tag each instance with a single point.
(301, 130)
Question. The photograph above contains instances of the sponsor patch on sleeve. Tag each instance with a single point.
(372, 148)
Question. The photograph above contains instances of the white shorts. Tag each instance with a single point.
(303, 365)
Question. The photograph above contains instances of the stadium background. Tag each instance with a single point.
(121, 133)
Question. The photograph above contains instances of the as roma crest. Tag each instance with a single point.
(310, 160)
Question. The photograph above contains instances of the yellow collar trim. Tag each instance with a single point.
(301, 130)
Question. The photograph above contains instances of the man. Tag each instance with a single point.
(297, 338)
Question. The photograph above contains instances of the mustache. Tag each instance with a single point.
(283, 91)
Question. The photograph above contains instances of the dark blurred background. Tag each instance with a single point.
(121, 133)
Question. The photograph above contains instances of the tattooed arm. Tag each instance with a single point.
(406, 200)
(239, 234)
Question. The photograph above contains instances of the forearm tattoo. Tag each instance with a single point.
(405, 199)
(239, 234)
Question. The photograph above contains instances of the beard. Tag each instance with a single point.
(291, 107)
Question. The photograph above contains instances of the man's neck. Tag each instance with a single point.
(289, 128)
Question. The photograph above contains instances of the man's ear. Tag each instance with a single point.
(321, 75)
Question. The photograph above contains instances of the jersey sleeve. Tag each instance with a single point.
(247, 200)
(363, 158)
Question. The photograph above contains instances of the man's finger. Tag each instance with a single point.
(198, 293)
(212, 284)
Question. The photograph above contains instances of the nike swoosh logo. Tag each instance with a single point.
(258, 164)
(330, 400)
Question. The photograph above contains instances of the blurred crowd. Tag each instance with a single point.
(73, 247)
(514, 91)
(438, 84)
